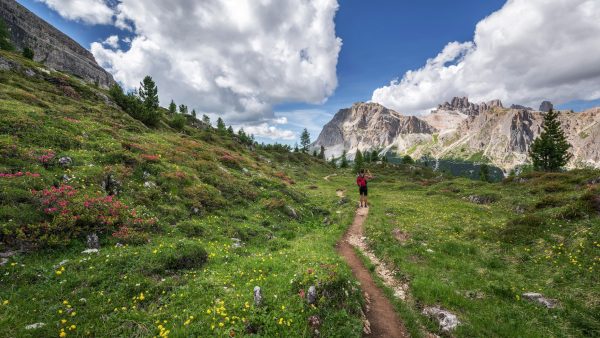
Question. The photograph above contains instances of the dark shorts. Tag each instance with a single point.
(363, 191)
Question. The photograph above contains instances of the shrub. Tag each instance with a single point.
(523, 229)
(183, 255)
(178, 121)
(192, 228)
(28, 53)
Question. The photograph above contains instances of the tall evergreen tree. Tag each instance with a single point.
(183, 109)
(172, 108)
(221, 125)
(230, 130)
(296, 150)
(322, 153)
(374, 156)
(305, 140)
(194, 113)
(359, 161)
(549, 152)
(148, 94)
(206, 119)
(344, 160)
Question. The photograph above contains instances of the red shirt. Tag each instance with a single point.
(361, 181)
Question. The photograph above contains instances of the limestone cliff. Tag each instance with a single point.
(51, 46)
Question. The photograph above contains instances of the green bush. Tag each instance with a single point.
(178, 121)
(192, 228)
(523, 229)
(182, 256)
(28, 53)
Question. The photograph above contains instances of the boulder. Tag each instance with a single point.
(110, 185)
(540, 299)
(35, 326)
(257, 296)
(93, 242)
(65, 161)
(311, 297)
(290, 211)
(446, 320)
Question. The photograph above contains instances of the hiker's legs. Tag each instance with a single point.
(366, 204)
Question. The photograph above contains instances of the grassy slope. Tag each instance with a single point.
(123, 291)
(476, 260)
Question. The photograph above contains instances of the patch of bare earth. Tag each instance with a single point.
(380, 319)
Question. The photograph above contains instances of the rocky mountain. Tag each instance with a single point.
(51, 46)
(459, 130)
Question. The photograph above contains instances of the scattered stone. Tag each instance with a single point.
(429, 250)
(257, 296)
(475, 294)
(481, 199)
(149, 185)
(546, 106)
(447, 320)
(366, 323)
(146, 175)
(35, 326)
(246, 171)
(118, 245)
(519, 209)
(65, 161)
(195, 210)
(90, 251)
(65, 178)
(3, 261)
(400, 235)
(291, 212)
(29, 72)
(63, 262)
(326, 221)
(311, 297)
(237, 243)
(343, 200)
(93, 242)
(540, 299)
(110, 185)
(8, 254)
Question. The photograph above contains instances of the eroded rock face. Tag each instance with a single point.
(51, 46)
(462, 105)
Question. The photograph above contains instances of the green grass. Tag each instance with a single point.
(206, 190)
(458, 249)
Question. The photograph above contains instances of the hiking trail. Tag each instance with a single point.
(381, 318)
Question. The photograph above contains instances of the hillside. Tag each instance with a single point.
(189, 223)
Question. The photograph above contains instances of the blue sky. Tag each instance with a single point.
(381, 41)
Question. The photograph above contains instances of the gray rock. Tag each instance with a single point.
(3, 261)
(90, 251)
(65, 178)
(93, 242)
(237, 243)
(520, 107)
(149, 185)
(291, 212)
(311, 296)
(481, 199)
(51, 46)
(245, 171)
(29, 72)
(146, 175)
(110, 185)
(65, 161)
(195, 210)
(540, 299)
(257, 296)
(446, 320)
(35, 326)
(546, 106)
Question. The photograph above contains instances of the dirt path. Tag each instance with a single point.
(382, 318)
(326, 178)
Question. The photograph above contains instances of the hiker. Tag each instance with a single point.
(361, 181)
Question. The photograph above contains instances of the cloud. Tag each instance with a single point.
(526, 52)
(271, 132)
(88, 11)
(235, 58)
(112, 41)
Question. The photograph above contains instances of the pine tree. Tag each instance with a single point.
(344, 160)
(28, 53)
(172, 108)
(296, 150)
(230, 130)
(206, 119)
(374, 156)
(183, 109)
(305, 140)
(549, 152)
(194, 113)
(333, 162)
(322, 153)
(221, 125)
(359, 161)
(148, 94)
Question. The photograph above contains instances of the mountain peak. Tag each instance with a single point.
(462, 105)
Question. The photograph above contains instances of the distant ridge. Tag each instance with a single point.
(51, 46)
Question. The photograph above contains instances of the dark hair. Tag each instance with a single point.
(362, 171)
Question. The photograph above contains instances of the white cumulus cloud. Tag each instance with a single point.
(267, 131)
(236, 58)
(112, 41)
(88, 11)
(526, 52)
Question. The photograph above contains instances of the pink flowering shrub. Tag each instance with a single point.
(19, 174)
(69, 214)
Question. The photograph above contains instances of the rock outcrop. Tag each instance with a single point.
(546, 106)
(51, 46)
(368, 126)
(462, 105)
(459, 130)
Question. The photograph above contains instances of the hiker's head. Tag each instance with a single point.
(362, 172)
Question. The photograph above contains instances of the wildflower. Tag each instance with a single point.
(62, 333)
(62, 321)
(72, 327)
(5, 302)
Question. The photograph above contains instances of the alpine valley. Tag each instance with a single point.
(458, 130)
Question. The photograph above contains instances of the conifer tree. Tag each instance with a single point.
(344, 160)
(172, 108)
(549, 152)
(194, 113)
(206, 119)
(221, 125)
(359, 161)
(183, 109)
(322, 153)
(148, 94)
(305, 140)
(230, 130)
